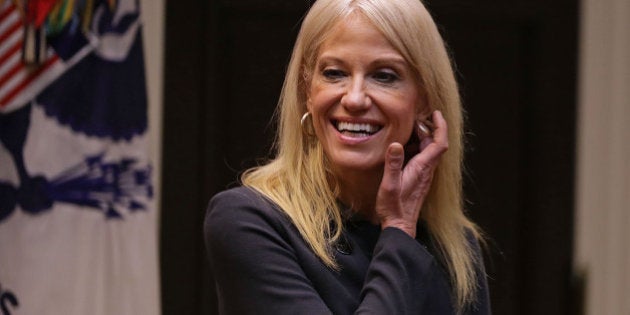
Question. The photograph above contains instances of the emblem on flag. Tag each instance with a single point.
(83, 84)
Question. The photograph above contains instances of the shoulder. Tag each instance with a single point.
(481, 303)
(240, 201)
(475, 241)
(242, 228)
(239, 209)
(237, 196)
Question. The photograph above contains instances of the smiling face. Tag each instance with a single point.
(363, 96)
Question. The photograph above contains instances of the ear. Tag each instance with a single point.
(424, 109)
(424, 112)
(306, 83)
(308, 102)
(307, 94)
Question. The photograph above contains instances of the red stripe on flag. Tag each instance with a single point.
(18, 66)
(16, 48)
(14, 27)
(28, 80)
(7, 12)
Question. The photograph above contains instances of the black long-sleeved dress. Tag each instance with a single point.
(260, 264)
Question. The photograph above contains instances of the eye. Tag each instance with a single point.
(385, 76)
(333, 74)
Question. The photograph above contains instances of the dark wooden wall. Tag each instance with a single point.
(516, 62)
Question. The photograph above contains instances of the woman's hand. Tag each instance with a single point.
(403, 191)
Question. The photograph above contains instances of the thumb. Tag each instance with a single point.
(394, 158)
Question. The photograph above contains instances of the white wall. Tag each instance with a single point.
(602, 226)
(153, 36)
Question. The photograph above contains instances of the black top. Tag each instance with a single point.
(260, 264)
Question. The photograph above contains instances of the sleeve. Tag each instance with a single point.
(256, 271)
(398, 277)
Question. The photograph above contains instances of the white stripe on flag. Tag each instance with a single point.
(19, 83)
(8, 81)
(13, 42)
(34, 84)
(11, 17)
(9, 61)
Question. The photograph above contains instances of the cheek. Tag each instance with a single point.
(318, 105)
(406, 117)
(320, 100)
(406, 129)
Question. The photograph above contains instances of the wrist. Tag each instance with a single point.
(408, 227)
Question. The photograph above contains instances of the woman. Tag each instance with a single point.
(361, 209)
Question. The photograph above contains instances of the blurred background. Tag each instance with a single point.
(545, 86)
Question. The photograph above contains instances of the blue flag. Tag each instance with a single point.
(78, 229)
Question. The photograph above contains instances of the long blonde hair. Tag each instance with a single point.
(299, 179)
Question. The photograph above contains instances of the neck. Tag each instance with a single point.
(358, 191)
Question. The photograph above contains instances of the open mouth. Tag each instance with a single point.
(357, 130)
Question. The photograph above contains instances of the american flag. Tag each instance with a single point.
(19, 82)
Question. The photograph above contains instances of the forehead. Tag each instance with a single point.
(355, 38)
(355, 29)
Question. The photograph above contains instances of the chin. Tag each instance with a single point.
(356, 163)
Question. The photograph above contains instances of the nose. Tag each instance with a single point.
(355, 97)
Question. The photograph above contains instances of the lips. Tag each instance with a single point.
(353, 129)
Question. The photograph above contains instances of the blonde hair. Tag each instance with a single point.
(299, 179)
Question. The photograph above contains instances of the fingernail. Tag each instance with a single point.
(396, 151)
(396, 155)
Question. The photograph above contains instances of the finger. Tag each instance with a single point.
(394, 159)
(440, 134)
(433, 148)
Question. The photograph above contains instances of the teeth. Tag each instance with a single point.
(366, 128)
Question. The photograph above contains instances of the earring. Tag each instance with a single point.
(423, 129)
(304, 118)
(307, 130)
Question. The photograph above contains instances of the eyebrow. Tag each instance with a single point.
(395, 59)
